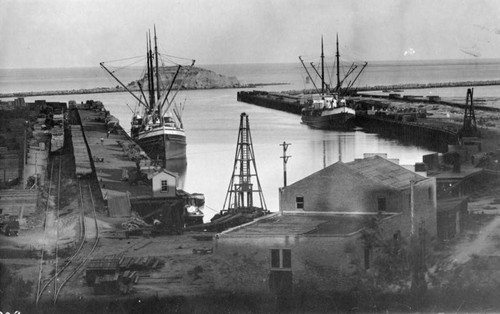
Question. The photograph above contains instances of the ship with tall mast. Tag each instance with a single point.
(157, 127)
(329, 110)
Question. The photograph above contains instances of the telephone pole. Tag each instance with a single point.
(285, 160)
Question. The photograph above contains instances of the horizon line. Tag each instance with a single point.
(265, 63)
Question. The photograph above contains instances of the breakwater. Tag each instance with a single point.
(103, 90)
(400, 87)
(429, 85)
(278, 101)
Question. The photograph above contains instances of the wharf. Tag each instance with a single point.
(278, 101)
(112, 163)
(424, 100)
(436, 136)
(425, 132)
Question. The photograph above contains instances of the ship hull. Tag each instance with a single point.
(163, 144)
(336, 121)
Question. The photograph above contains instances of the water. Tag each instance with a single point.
(211, 119)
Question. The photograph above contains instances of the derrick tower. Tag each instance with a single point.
(240, 193)
(469, 127)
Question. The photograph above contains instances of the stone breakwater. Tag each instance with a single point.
(398, 87)
(196, 78)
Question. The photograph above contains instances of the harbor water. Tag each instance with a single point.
(211, 120)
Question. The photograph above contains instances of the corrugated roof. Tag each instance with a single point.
(385, 171)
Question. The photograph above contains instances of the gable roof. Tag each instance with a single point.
(385, 171)
(172, 174)
(376, 169)
(329, 172)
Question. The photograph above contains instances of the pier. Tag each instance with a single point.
(120, 171)
(278, 101)
(420, 133)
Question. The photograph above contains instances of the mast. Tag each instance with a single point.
(157, 69)
(322, 68)
(337, 55)
(150, 104)
(160, 106)
(151, 74)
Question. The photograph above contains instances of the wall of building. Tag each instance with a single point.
(345, 191)
(317, 263)
(322, 263)
(156, 185)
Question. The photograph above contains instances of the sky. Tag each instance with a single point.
(80, 33)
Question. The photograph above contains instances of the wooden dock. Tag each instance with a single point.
(114, 159)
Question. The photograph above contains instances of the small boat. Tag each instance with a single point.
(329, 110)
(194, 209)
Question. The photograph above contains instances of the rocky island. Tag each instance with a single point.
(191, 78)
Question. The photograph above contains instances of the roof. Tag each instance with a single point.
(152, 172)
(385, 171)
(375, 169)
(338, 224)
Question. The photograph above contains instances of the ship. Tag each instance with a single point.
(157, 125)
(327, 113)
(329, 110)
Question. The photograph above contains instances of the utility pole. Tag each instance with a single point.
(285, 160)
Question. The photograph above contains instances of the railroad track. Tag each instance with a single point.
(53, 196)
(51, 287)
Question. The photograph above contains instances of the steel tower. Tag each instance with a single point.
(240, 193)
(469, 127)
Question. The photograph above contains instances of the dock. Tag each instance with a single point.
(111, 159)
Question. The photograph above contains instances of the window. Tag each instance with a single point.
(299, 200)
(164, 186)
(382, 204)
(281, 258)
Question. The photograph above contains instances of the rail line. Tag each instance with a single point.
(53, 182)
(89, 234)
